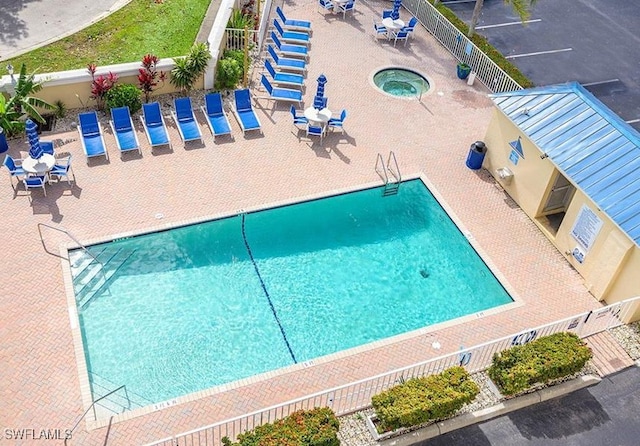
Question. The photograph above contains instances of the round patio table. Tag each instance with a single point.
(38, 166)
(317, 117)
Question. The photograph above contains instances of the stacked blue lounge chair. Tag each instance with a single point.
(293, 24)
(281, 94)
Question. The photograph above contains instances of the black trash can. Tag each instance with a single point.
(476, 155)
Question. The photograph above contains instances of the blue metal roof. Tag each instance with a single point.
(591, 145)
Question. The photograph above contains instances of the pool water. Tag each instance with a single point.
(202, 305)
(401, 82)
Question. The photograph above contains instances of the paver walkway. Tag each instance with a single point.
(608, 355)
(40, 381)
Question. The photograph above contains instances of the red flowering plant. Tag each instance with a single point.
(149, 76)
(100, 84)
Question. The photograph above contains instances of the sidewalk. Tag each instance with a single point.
(28, 25)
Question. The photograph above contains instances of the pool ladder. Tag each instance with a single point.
(389, 172)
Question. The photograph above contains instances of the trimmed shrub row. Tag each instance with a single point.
(550, 357)
(419, 400)
(317, 427)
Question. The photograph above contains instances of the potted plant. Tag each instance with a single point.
(463, 70)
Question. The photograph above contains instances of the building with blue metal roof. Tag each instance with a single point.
(574, 167)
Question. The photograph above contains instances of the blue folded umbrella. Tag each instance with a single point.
(31, 128)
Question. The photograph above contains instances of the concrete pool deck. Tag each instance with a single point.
(431, 137)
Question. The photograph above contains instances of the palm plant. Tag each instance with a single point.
(520, 7)
(188, 69)
(13, 111)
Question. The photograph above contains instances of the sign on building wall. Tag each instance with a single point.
(586, 227)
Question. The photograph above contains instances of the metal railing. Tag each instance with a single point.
(93, 406)
(487, 71)
(382, 172)
(357, 395)
(396, 173)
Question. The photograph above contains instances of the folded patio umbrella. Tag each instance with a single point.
(31, 128)
(395, 14)
(318, 100)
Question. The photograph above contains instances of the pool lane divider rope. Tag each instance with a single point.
(264, 288)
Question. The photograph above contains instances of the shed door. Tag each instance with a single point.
(607, 264)
(559, 197)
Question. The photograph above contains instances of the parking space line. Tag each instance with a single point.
(515, 56)
(609, 81)
(633, 121)
(498, 25)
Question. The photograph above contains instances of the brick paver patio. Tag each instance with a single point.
(40, 381)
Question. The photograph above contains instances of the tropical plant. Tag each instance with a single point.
(124, 95)
(229, 70)
(13, 110)
(520, 7)
(188, 69)
(60, 109)
(149, 76)
(100, 85)
(240, 20)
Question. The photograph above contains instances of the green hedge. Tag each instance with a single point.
(317, 427)
(486, 47)
(540, 361)
(419, 400)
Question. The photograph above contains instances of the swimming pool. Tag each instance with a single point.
(202, 305)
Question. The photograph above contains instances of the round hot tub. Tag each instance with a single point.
(401, 82)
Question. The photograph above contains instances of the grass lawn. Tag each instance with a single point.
(165, 29)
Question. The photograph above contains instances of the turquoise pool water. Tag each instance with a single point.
(202, 305)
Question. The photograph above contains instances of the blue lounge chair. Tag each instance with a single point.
(91, 136)
(411, 26)
(291, 36)
(286, 63)
(216, 117)
(290, 50)
(185, 120)
(293, 24)
(281, 94)
(14, 169)
(282, 78)
(154, 126)
(122, 127)
(243, 111)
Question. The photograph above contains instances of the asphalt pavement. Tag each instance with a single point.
(29, 24)
(590, 41)
(605, 414)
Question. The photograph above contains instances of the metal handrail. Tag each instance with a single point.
(92, 406)
(385, 178)
(398, 177)
(84, 248)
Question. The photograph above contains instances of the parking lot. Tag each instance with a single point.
(595, 43)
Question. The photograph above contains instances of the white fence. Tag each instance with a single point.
(487, 72)
(357, 395)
